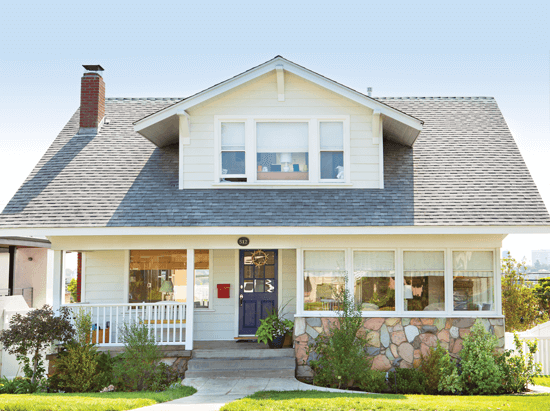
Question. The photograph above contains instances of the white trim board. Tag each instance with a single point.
(242, 230)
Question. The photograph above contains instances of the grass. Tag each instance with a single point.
(543, 380)
(326, 401)
(115, 401)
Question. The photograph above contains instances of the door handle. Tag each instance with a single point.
(241, 299)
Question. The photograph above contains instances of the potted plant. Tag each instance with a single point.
(273, 329)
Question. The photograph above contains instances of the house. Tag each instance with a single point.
(195, 215)
(24, 279)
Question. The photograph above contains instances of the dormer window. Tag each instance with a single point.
(289, 150)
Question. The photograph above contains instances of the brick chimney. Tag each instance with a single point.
(92, 99)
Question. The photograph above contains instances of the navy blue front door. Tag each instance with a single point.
(257, 290)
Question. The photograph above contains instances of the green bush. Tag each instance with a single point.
(449, 381)
(480, 371)
(80, 368)
(20, 385)
(519, 369)
(340, 358)
(407, 381)
(139, 368)
(430, 368)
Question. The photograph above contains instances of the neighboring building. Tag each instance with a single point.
(542, 256)
(280, 186)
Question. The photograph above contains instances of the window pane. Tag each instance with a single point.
(233, 162)
(233, 136)
(324, 276)
(332, 135)
(202, 278)
(473, 281)
(332, 165)
(282, 137)
(158, 275)
(374, 273)
(283, 166)
(424, 282)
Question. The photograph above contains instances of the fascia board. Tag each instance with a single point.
(397, 230)
(293, 68)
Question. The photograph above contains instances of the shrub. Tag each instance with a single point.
(480, 371)
(449, 381)
(82, 325)
(139, 367)
(519, 369)
(340, 358)
(77, 369)
(431, 369)
(407, 381)
(20, 385)
(35, 331)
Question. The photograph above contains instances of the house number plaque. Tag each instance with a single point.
(243, 241)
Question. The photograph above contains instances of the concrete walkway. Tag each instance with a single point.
(213, 393)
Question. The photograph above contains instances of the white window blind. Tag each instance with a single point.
(423, 263)
(473, 263)
(324, 262)
(233, 136)
(373, 264)
(281, 137)
(332, 135)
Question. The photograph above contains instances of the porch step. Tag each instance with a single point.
(242, 363)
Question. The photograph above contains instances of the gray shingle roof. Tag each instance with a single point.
(464, 170)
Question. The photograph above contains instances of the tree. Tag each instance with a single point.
(73, 289)
(32, 333)
(542, 289)
(520, 303)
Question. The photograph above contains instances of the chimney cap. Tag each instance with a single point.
(93, 67)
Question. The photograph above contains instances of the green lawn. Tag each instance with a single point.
(325, 401)
(543, 380)
(115, 401)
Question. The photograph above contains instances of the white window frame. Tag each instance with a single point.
(211, 307)
(495, 276)
(320, 150)
(399, 291)
(219, 150)
(314, 151)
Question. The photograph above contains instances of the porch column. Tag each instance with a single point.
(57, 280)
(190, 298)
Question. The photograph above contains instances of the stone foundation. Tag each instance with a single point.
(394, 342)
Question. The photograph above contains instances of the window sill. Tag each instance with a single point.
(285, 184)
(204, 310)
(413, 314)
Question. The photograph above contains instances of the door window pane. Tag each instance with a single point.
(473, 281)
(324, 276)
(282, 151)
(424, 280)
(374, 273)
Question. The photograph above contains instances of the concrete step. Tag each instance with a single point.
(283, 373)
(223, 364)
(244, 353)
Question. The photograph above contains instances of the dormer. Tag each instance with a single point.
(279, 125)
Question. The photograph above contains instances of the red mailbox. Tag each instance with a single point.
(223, 290)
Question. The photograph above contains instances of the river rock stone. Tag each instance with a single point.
(398, 337)
(454, 332)
(429, 339)
(381, 363)
(373, 323)
(464, 322)
(374, 339)
(432, 329)
(299, 326)
(393, 349)
(384, 336)
(314, 322)
(311, 331)
(411, 332)
(443, 335)
(406, 351)
(439, 323)
(390, 322)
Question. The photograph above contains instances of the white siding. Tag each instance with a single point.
(220, 323)
(105, 277)
(260, 98)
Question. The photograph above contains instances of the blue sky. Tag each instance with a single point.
(158, 49)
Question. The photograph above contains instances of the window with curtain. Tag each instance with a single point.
(233, 151)
(324, 276)
(157, 275)
(473, 281)
(374, 274)
(282, 150)
(331, 136)
(424, 280)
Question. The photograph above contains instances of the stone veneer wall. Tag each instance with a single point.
(394, 342)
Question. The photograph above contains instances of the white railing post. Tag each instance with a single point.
(190, 298)
(58, 292)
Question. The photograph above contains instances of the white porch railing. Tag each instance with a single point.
(165, 320)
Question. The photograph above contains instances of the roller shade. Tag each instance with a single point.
(332, 135)
(373, 264)
(324, 263)
(233, 136)
(282, 137)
